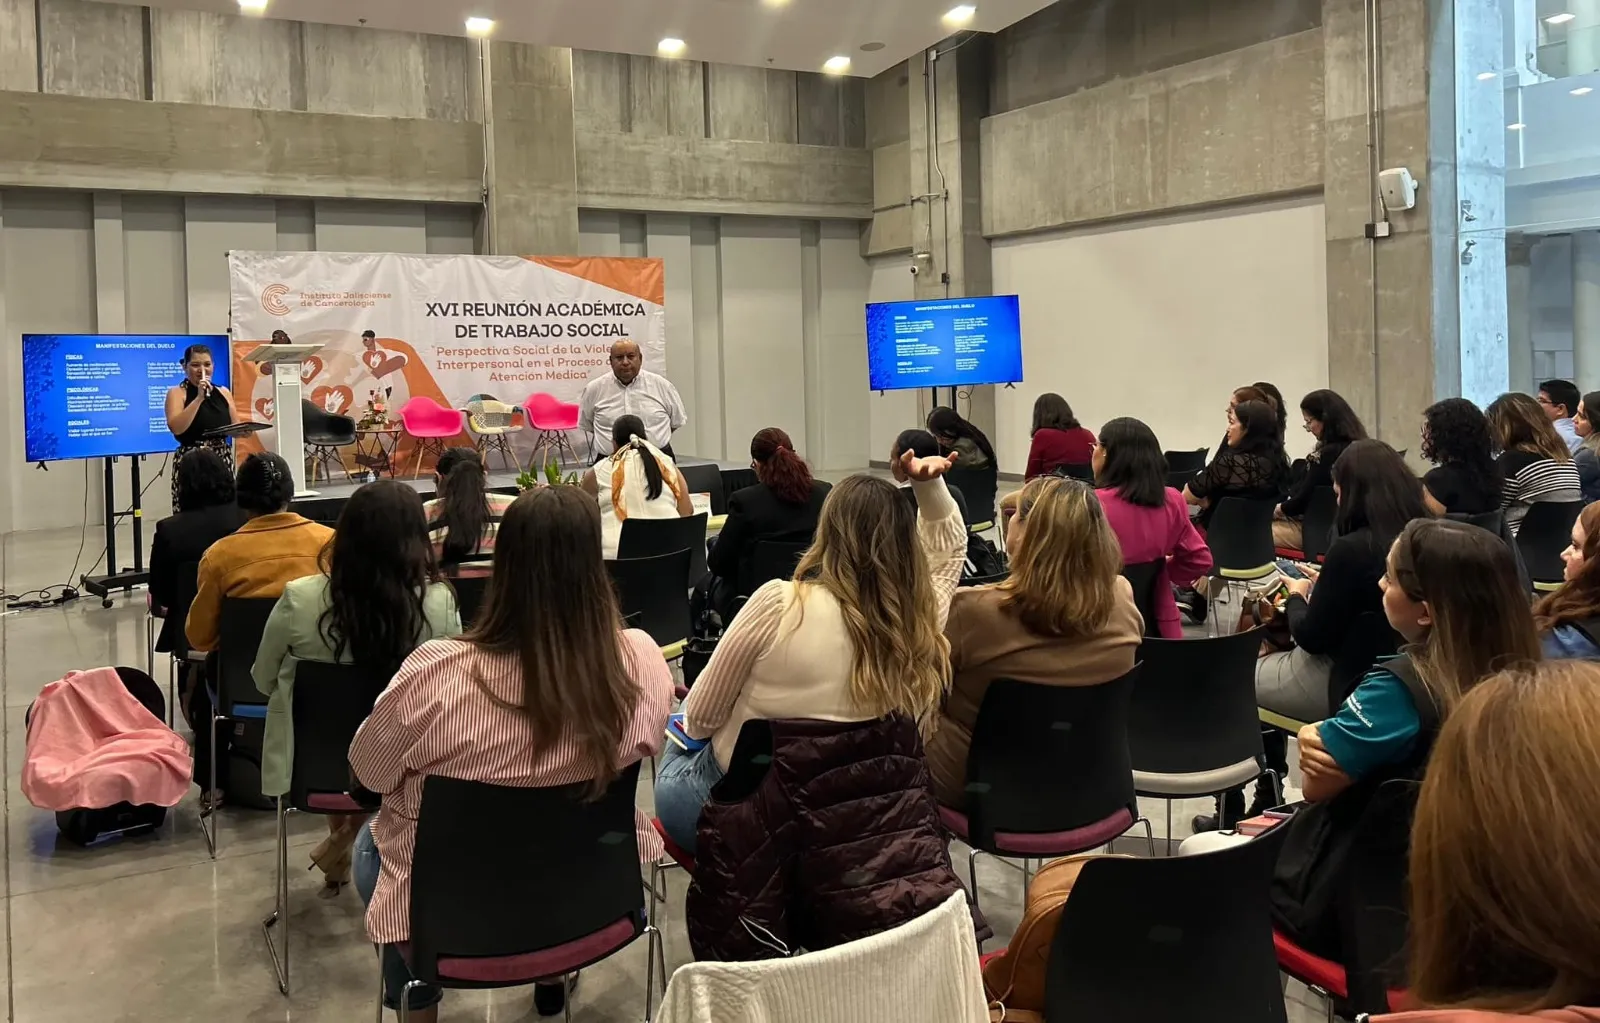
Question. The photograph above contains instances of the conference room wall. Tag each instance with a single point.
(892, 411)
(765, 326)
(108, 262)
(1161, 319)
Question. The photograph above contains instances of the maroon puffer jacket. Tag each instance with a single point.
(834, 836)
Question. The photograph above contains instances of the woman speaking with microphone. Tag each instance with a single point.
(195, 407)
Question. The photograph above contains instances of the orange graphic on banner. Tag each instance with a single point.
(641, 277)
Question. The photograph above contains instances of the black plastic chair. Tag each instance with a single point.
(1316, 527)
(1176, 938)
(774, 559)
(1545, 532)
(1145, 578)
(324, 434)
(234, 696)
(1180, 478)
(1027, 739)
(1495, 522)
(647, 538)
(1192, 727)
(1084, 473)
(470, 587)
(325, 510)
(1369, 638)
(1240, 538)
(978, 489)
(515, 885)
(330, 702)
(1189, 462)
(654, 596)
(172, 639)
(985, 580)
(706, 479)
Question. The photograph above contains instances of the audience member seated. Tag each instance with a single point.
(1587, 455)
(636, 481)
(1465, 479)
(274, 547)
(1534, 461)
(1252, 393)
(1058, 438)
(1504, 920)
(1150, 519)
(206, 491)
(921, 444)
(378, 597)
(1275, 399)
(1334, 424)
(1559, 399)
(1250, 463)
(1064, 617)
(966, 440)
(785, 506)
(856, 635)
(1452, 591)
(547, 689)
(465, 518)
(1569, 619)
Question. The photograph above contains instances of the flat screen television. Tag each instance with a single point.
(949, 342)
(104, 395)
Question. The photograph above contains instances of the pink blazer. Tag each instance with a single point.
(1150, 534)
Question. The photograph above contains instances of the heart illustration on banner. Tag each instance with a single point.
(333, 399)
(264, 409)
(310, 368)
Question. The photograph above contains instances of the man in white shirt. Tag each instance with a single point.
(630, 389)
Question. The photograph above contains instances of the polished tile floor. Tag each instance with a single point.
(154, 929)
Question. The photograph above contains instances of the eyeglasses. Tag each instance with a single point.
(1546, 402)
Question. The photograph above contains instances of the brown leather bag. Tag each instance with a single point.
(1014, 979)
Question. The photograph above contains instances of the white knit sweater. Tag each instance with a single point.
(920, 972)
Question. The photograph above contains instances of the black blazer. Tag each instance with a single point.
(181, 540)
(756, 514)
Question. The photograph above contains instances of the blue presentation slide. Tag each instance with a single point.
(99, 395)
(952, 342)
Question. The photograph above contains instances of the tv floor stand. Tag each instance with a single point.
(103, 586)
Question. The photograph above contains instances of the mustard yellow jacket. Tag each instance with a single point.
(259, 560)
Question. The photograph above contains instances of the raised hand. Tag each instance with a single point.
(922, 470)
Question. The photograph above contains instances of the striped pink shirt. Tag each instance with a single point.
(434, 719)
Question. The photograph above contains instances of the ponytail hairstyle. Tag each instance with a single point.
(627, 434)
(264, 485)
(463, 508)
(947, 424)
(784, 472)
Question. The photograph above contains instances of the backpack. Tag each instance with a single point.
(1014, 978)
(984, 560)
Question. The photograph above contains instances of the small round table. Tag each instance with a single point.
(375, 447)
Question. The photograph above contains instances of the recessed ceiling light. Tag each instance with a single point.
(1484, 76)
(480, 26)
(1515, 126)
(960, 14)
(253, 6)
(1582, 90)
(1560, 19)
(872, 47)
(775, 3)
(671, 47)
(836, 65)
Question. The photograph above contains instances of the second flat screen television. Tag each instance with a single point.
(948, 342)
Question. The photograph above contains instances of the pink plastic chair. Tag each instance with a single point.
(553, 418)
(433, 426)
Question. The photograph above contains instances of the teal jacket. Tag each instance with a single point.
(292, 635)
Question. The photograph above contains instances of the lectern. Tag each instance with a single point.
(285, 361)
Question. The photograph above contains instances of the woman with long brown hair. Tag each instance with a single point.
(1569, 618)
(1064, 617)
(1505, 883)
(856, 635)
(547, 689)
(1534, 461)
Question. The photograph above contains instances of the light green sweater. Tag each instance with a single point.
(292, 635)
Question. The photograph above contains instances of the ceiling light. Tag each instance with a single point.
(253, 6)
(836, 65)
(1515, 126)
(775, 3)
(960, 15)
(670, 47)
(1484, 76)
(1582, 90)
(1560, 19)
(480, 26)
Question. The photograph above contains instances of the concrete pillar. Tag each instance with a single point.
(1519, 310)
(1586, 309)
(945, 159)
(531, 203)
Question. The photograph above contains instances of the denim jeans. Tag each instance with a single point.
(396, 974)
(682, 788)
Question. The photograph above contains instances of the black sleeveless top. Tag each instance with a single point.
(213, 413)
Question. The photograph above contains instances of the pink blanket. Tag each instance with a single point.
(92, 744)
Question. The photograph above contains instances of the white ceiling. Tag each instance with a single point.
(797, 34)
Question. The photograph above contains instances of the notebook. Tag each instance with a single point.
(676, 733)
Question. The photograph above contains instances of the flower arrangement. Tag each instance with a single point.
(376, 415)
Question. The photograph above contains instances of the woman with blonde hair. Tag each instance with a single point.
(856, 635)
(1569, 618)
(1505, 919)
(1065, 617)
(1534, 461)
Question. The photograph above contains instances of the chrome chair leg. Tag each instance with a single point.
(1149, 834)
(1169, 827)
(280, 911)
(210, 808)
(972, 873)
(379, 949)
(405, 1000)
(655, 958)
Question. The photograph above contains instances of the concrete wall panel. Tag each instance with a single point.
(738, 98)
(783, 124)
(19, 50)
(199, 57)
(91, 49)
(601, 96)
